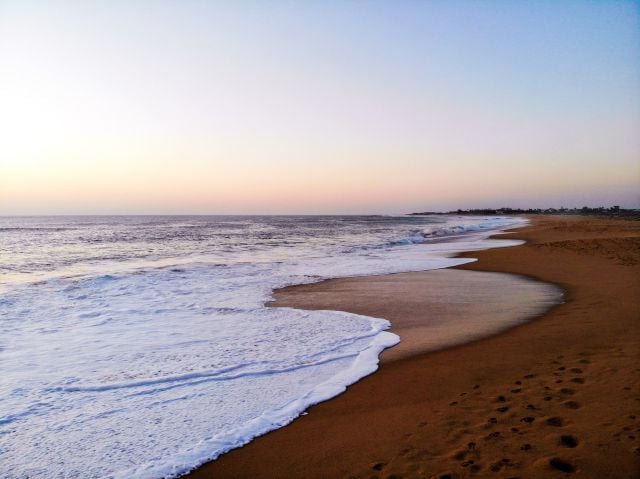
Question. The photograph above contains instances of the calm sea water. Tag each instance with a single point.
(141, 347)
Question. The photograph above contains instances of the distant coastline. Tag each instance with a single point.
(601, 211)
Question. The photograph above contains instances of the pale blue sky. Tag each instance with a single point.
(317, 107)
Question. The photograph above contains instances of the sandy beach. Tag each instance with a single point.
(555, 396)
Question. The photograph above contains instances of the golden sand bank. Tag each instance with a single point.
(555, 397)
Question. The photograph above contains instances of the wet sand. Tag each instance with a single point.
(553, 397)
(434, 309)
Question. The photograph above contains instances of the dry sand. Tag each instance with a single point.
(560, 393)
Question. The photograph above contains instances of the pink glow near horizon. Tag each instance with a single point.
(317, 108)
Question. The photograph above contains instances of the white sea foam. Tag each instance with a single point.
(149, 366)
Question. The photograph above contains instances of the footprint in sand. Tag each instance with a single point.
(406, 451)
(572, 405)
(555, 421)
(578, 380)
(561, 465)
(460, 455)
(568, 441)
(504, 462)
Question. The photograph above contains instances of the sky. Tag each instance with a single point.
(317, 107)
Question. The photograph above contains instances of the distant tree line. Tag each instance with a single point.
(612, 211)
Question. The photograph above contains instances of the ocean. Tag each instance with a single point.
(141, 346)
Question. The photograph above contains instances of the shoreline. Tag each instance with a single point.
(501, 301)
(495, 404)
